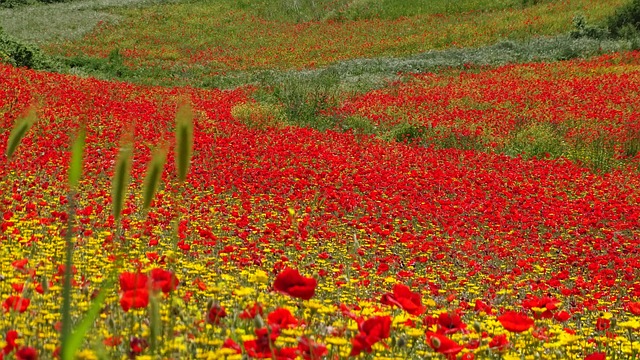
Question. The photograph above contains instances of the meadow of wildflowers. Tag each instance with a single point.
(288, 243)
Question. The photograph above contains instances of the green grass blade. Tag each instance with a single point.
(184, 140)
(20, 129)
(121, 176)
(77, 336)
(155, 323)
(153, 176)
(75, 166)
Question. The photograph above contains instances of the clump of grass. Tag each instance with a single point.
(260, 115)
(597, 153)
(358, 125)
(304, 100)
(406, 132)
(539, 140)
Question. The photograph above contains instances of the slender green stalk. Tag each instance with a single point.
(153, 176)
(121, 176)
(19, 130)
(184, 140)
(75, 170)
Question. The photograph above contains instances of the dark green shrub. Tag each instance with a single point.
(626, 20)
(18, 53)
(581, 28)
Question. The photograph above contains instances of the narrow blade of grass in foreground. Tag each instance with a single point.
(121, 176)
(184, 139)
(153, 176)
(20, 129)
(75, 171)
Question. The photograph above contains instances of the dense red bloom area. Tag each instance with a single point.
(290, 282)
(353, 210)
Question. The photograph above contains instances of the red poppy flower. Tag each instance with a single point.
(596, 356)
(134, 299)
(282, 318)
(27, 353)
(230, 344)
(261, 347)
(16, 303)
(515, 321)
(372, 330)
(215, 313)
(499, 342)
(546, 303)
(163, 280)
(481, 306)
(290, 282)
(634, 308)
(443, 345)
(10, 339)
(404, 298)
(251, 312)
(310, 349)
(132, 281)
(603, 324)
(561, 316)
(137, 346)
(450, 323)
(20, 264)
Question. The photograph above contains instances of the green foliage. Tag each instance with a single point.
(111, 67)
(347, 10)
(625, 22)
(20, 129)
(153, 176)
(631, 147)
(406, 132)
(304, 99)
(18, 53)
(583, 29)
(75, 164)
(536, 139)
(358, 125)
(184, 139)
(17, 3)
(121, 177)
(597, 153)
(259, 115)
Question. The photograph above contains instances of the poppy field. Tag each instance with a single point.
(459, 211)
(288, 242)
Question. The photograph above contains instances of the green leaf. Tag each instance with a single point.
(77, 336)
(184, 140)
(19, 130)
(155, 323)
(153, 176)
(121, 176)
(75, 166)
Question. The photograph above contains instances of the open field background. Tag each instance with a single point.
(458, 180)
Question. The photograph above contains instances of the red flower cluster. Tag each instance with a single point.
(290, 282)
(372, 330)
(135, 287)
(515, 321)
